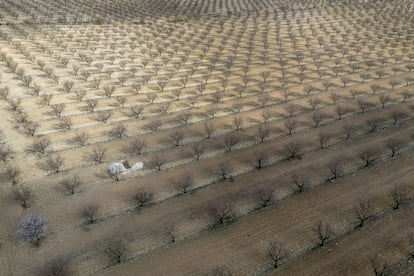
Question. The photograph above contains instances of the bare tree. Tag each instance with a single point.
(142, 196)
(314, 102)
(323, 232)
(368, 156)
(65, 123)
(39, 145)
(335, 169)
(277, 252)
(340, 111)
(224, 170)
(154, 125)
(185, 182)
(290, 124)
(198, 150)
(399, 195)
(209, 129)
(103, 116)
(299, 182)
(394, 145)
(52, 164)
(263, 131)
(379, 265)
(222, 212)
(70, 185)
(79, 95)
(116, 249)
(238, 122)
(183, 118)
(363, 211)
(138, 145)
(293, 150)
(5, 152)
(259, 159)
(97, 154)
(230, 141)
(384, 99)
(348, 130)
(89, 212)
(323, 138)
(135, 110)
(171, 232)
(67, 86)
(57, 109)
(397, 116)
(12, 174)
(91, 104)
(157, 162)
(318, 117)
(118, 131)
(176, 137)
(264, 197)
(81, 138)
(23, 195)
(30, 128)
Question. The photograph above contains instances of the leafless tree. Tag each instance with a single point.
(185, 182)
(70, 185)
(384, 99)
(363, 105)
(348, 130)
(30, 128)
(121, 100)
(52, 163)
(154, 125)
(118, 131)
(171, 232)
(318, 117)
(157, 162)
(57, 109)
(224, 170)
(221, 211)
(277, 252)
(323, 232)
(379, 265)
(39, 145)
(363, 211)
(183, 118)
(79, 95)
(238, 122)
(335, 169)
(209, 129)
(151, 97)
(103, 116)
(65, 123)
(89, 212)
(5, 152)
(323, 138)
(399, 195)
(293, 150)
(142, 196)
(14, 104)
(81, 138)
(91, 104)
(264, 197)
(300, 182)
(266, 115)
(176, 137)
(368, 156)
(97, 154)
(136, 110)
(314, 102)
(116, 249)
(290, 124)
(259, 159)
(397, 116)
(394, 145)
(12, 174)
(263, 131)
(138, 145)
(23, 195)
(67, 86)
(198, 150)
(340, 111)
(230, 141)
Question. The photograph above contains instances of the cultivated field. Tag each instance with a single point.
(276, 137)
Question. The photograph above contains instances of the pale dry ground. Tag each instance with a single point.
(145, 227)
(243, 244)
